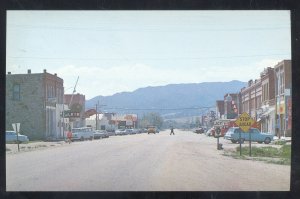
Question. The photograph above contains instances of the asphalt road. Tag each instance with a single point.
(142, 162)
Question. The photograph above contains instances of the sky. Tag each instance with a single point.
(121, 51)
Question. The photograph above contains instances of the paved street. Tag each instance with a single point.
(142, 162)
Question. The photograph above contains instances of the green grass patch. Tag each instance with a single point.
(280, 142)
(268, 154)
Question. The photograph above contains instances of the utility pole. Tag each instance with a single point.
(98, 105)
(97, 115)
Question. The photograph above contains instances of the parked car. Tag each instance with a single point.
(199, 130)
(99, 134)
(110, 132)
(130, 131)
(233, 134)
(82, 133)
(152, 129)
(120, 132)
(11, 137)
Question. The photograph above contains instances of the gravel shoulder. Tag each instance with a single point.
(32, 146)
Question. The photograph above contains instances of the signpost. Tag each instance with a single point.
(245, 122)
(16, 127)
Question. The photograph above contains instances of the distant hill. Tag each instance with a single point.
(180, 98)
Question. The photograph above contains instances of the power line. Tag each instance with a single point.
(149, 58)
(155, 29)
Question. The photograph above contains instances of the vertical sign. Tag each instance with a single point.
(16, 127)
(245, 122)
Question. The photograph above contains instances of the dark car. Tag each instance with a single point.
(99, 134)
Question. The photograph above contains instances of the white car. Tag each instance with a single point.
(120, 132)
(83, 133)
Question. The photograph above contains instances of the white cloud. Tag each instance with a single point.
(95, 80)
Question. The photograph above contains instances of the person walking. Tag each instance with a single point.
(172, 131)
(69, 135)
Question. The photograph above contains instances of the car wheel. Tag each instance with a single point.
(267, 141)
(81, 139)
(91, 138)
(241, 141)
(233, 141)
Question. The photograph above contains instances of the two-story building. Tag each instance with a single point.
(251, 98)
(283, 86)
(34, 101)
(266, 113)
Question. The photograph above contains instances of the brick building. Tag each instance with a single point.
(34, 100)
(283, 102)
(251, 97)
(266, 113)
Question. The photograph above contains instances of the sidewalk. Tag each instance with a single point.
(13, 148)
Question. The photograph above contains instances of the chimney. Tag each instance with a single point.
(9, 73)
(55, 74)
(45, 70)
(29, 71)
(250, 82)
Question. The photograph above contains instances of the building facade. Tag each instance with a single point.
(100, 123)
(33, 100)
(283, 102)
(219, 109)
(122, 121)
(232, 105)
(251, 97)
(266, 113)
(76, 112)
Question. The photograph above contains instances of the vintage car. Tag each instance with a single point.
(11, 137)
(152, 129)
(83, 133)
(234, 133)
(99, 134)
(120, 132)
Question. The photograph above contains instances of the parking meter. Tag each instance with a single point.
(218, 131)
(218, 134)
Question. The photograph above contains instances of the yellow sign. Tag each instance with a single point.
(244, 122)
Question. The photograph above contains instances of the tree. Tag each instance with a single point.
(151, 119)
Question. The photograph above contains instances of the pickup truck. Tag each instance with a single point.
(234, 133)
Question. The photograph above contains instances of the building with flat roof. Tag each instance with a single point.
(35, 101)
(283, 98)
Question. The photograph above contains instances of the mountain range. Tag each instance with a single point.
(171, 101)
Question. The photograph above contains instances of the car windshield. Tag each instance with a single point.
(10, 133)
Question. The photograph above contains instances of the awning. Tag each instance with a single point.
(268, 112)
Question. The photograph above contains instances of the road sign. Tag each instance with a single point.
(244, 122)
(16, 127)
